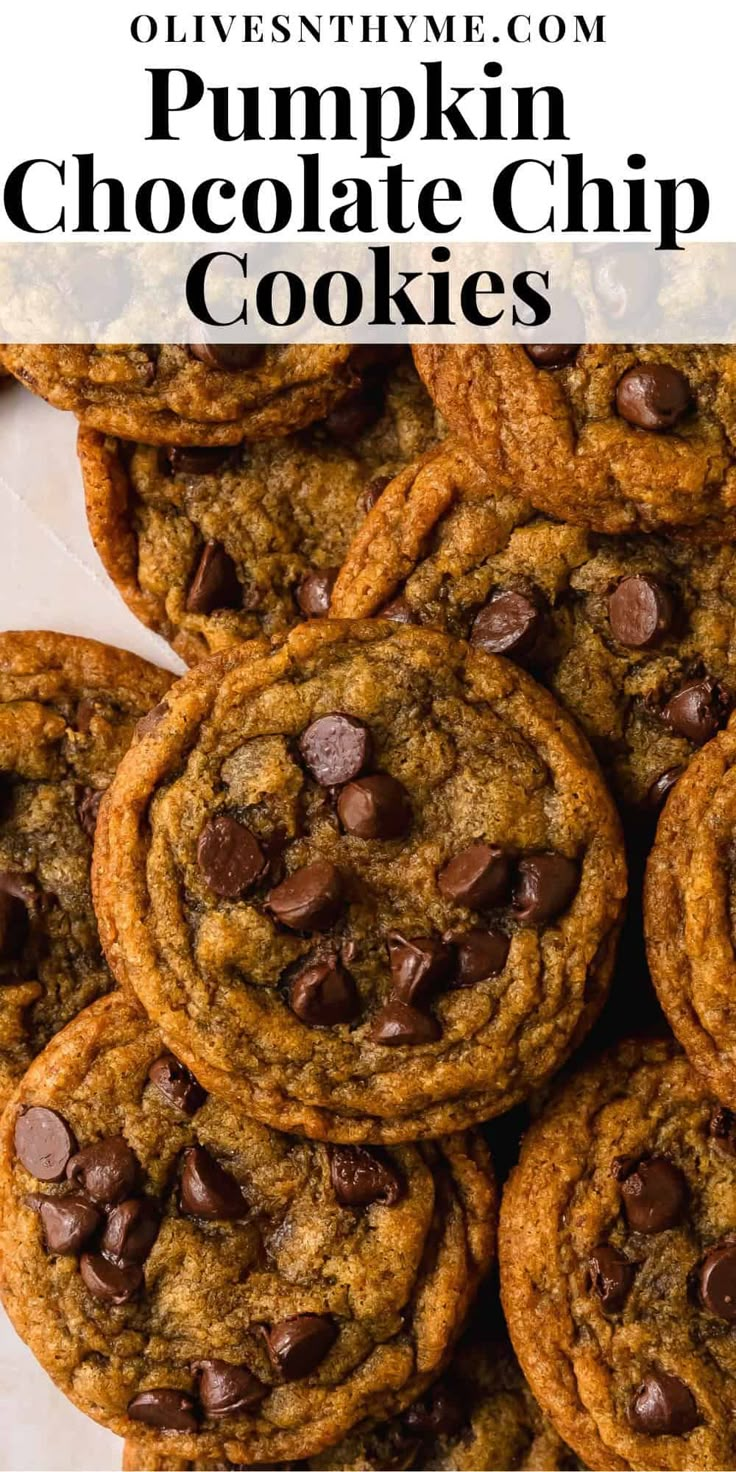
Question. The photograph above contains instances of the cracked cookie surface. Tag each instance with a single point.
(379, 886)
(68, 708)
(177, 1267)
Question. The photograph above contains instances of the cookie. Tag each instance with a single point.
(166, 394)
(618, 1264)
(177, 1267)
(635, 634)
(380, 885)
(68, 708)
(480, 1414)
(689, 912)
(209, 546)
(612, 437)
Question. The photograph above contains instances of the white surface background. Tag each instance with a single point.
(51, 578)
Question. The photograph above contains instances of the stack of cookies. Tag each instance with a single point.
(293, 946)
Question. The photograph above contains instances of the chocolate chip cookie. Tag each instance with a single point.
(206, 394)
(379, 887)
(177, 1267)
(635, 634)
(618, 1264)
(690, 914)
(68, 708)
(210, 546)
(481, 1413)
(613, 437)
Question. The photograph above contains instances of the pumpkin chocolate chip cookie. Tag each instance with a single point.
(613, 437)
(618, 1265)
(379, 886)
(177, 1267)
(68, 708)
(635, 634)
(212, 546)
(206, 394)
(690, 914)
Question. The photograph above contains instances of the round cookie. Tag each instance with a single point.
(618, 1268)
(610, 436)
(690, 914)
(167, 394)
(481, 1413)
(211, 547)
(68, 708)
(176, 1266)
(379, 888)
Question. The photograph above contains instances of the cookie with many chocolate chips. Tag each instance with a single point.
(635, 634)
(209, 547)
(177, 1267)
(205, 394)
(618, 1264)
(379, 887)
(613, 437)
(690, 912)
(68, 708)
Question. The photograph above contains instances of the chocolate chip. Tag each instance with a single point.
(178, 1086)
(168, 1410)
(480, 954)
(418, 966)
(654, 1194)
(663, 1406)
(88, 801)
(375, 807)
(109, 1281)
(336, 748)
(225, 1389)
(310, 899)
(44, 1143)
(510, 623)
(229, 856)
(131, 1230)
(214, 582)
(640, 611)
(662, 786)
(315, 591)
(202, 460)
(625, 285)
(611, 1277)
(298, 1345)
(441, 1415)
(324, 994)
(356, 413)
(553, 354)
(360, 1177)
(653, 396)
(544, 887)
(722, 1130)
(149, 722)
(228, 356)
(398, 1025)
(717, 1281)
(68, 1223)
(698, 710)
(14, 922)
(373, 491)
(209, 1191)
(398, 611)
(479, 876)
(107, 1171)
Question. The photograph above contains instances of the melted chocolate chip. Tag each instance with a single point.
(197, 460)
(722, 1130)
(178, 1086)
(336, 748)
(315, 591)
(225, 1389)
(209, 1191)
(375, 807)
(107, 1171)
(478, 876)
(698, 710)
(373, 492)
(298, 1345)
(356, 413)
(88, 801)
(663, 1406)
(544, 887)
(611, 1277)
(168, 1410)
(662, 786)
(510, 623)
(324, 994)
(361, 1177)
(553, 355)
(131, 1230)
(418, 966)
(215, 582)
(480, 954)
(229, 357)
(640, 611)
(310, 899)
(229, 856)
(14, 924)
(398, 611)
(149, 722)
(654, 1193)
(440, 1414)
(68, 1223)
(44, 1143)
(399, 1026)
(717, 1281)
(653, 396)
(109, 1281)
